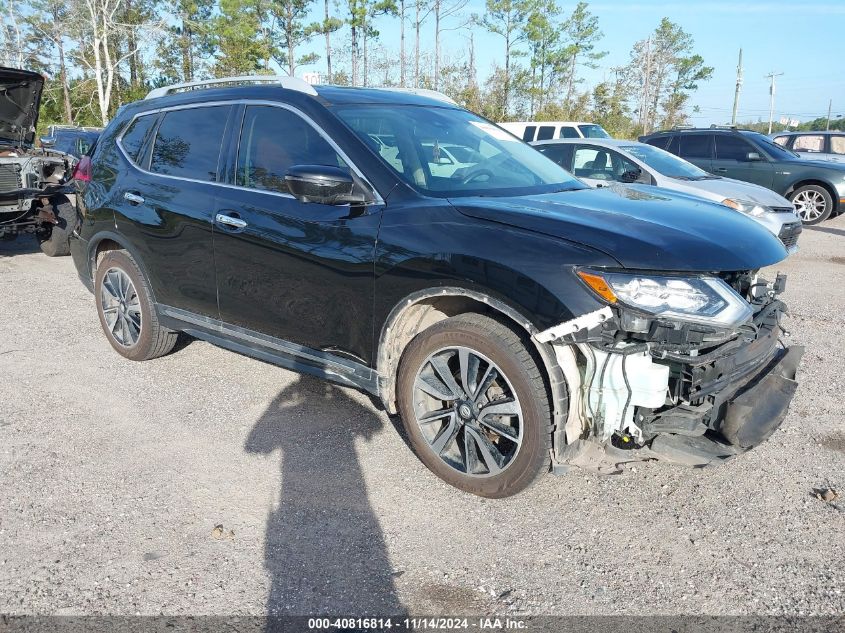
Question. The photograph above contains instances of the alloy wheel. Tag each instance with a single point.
(809, 205)
(121, 307)
(468, 412)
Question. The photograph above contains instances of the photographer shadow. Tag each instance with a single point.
(325, 552)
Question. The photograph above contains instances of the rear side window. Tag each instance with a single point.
(837, 144)
(569, 132)
(188, 143)
(732, 147)
(528, 134)
(273, 140)
(546, 132)
(561, 154)
(133, 138)
(808, 143)
(695, 146)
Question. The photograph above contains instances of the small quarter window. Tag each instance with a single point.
(133, 138)
(837, 144)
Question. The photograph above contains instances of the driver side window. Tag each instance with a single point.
(272, 141)
(591, 162)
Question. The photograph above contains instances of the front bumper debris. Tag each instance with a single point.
(688, 395)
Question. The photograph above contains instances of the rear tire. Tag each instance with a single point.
(813, 204)
(126, 310)
(55, 240)
(488, 454)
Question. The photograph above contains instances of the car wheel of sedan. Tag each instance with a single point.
(475, 406)
(126, 311)
(813, 203)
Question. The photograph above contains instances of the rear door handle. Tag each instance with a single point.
(722, 169)
(228, 220)
(134, 198)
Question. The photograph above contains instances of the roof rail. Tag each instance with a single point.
(424, 92)
(291, 83)
(683, 127)
(713, 126)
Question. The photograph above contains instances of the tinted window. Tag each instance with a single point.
(274, 139)
(569, 132)
(695, 146)
(546, 132)
(660, 141)
(561, 154)
(732, 147)
(674, 146)
(528, 134)
(188, 143)
(133, 139)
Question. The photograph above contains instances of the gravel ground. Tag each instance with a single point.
(208, 483)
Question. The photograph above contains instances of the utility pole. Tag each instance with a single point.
(738, 87)
(829, 107)
(771, 76)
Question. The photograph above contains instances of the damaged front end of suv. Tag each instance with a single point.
(685, 368)
(35, 196)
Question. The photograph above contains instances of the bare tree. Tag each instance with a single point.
(101, 30)
(443, 10)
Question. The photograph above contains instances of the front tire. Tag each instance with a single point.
(813, 204)
(126, 309)
(475, 406)
(54, 241)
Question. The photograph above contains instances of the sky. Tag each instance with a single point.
(803, 39)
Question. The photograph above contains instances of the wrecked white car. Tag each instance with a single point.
(35, 196)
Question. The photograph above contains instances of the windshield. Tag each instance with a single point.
(665, 163)
(448, 152)
(593, 131)
(773, 149)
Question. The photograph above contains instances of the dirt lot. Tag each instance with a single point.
(209, 483)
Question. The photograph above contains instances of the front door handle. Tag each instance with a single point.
(228, 220)
(134, 198)
(722, 169)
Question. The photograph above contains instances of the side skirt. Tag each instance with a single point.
(272, 350)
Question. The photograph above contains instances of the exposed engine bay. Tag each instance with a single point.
(643, 386)
(32, 184)
(35, 196)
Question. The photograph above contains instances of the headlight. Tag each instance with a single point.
(700, 299)
(751, 208)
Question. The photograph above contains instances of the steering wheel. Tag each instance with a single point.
(475, 175)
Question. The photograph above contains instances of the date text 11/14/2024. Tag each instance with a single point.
(418, 624)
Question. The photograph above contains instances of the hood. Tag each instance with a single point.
(20, 96)
(641, 230)
(722, 188)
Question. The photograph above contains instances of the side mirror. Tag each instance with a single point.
(631, 176)
(322, 184)
(753, 156)
(47, 141)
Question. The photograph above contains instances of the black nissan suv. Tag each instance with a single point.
(391, 241)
